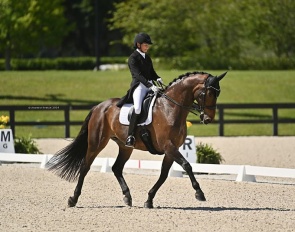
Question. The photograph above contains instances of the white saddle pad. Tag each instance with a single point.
(123, 117)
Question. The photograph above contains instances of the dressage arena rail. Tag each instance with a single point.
(274, 120)
(243, 172)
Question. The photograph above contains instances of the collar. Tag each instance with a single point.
(141, 53)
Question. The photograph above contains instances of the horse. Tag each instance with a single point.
(189, 92)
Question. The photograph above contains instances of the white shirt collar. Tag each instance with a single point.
(141, 53)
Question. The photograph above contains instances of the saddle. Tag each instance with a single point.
(145, 118)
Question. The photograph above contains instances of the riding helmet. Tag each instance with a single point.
(142, 38)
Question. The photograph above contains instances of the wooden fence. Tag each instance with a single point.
(275, 120)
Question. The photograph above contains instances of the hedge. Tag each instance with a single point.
(246, 63)
(68, 63)
(184, 63)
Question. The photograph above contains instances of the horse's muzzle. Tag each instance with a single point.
(205, 119)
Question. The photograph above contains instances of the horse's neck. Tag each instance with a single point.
(181, 100)
(181, 94)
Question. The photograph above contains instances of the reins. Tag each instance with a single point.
(195, 106)
(188, 108)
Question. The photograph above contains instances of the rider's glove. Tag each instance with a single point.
(159, 80)
(155, 89)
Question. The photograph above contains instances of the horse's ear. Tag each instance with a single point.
(221, 76)
(211, 80)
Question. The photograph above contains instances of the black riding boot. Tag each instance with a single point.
(130, 141)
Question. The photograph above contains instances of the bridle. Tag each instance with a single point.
(195, 106)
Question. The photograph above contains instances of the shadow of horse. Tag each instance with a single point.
(220, 209)
(209, 209)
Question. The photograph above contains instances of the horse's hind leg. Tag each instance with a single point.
(85, 167)
(123, 157)
(166, 165)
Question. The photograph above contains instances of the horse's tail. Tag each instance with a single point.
(66, 163)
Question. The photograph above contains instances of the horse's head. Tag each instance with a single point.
(206, 96)
(195, 91)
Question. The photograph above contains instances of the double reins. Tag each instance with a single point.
(195, 106)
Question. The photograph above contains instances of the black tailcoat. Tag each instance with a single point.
(142, 71)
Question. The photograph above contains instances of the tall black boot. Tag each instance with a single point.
(130, 141)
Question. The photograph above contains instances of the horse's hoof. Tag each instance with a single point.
(71, 202)
(200, 195)
(148, 205)
(127, 201)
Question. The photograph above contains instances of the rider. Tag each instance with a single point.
(143, 75)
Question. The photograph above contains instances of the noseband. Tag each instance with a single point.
(202, 96)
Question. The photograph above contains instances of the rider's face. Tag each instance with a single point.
(144, 47)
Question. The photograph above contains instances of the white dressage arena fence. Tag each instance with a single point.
(243, 172)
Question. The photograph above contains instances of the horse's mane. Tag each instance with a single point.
(182, 76)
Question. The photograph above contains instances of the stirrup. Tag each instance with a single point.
(130, 141)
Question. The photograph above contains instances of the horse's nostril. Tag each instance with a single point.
(207, 120)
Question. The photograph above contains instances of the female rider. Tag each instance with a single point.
(143, 75)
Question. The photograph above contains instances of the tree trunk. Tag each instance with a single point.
(7, 59)
(8, 54)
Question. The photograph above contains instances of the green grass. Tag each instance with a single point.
(88, 87)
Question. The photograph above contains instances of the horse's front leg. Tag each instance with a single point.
(166, 165)
(123, 157)
(178, 158)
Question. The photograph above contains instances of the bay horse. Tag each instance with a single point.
(190, 91)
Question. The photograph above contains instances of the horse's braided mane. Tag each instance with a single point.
(182, 76)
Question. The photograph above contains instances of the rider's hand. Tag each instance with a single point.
(159, 80)
(155, 89)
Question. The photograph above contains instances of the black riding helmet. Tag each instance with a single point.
(142, 38)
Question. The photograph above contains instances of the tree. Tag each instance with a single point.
(163, 21)
(27, 26)
(272, 26)
(90, 34)
(209, 28)
(217, 33)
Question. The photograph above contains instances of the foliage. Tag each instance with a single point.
(202, 34)
(206, 154)
(26, 145)
(220, 30)
(3, 121)
(90, 36)
(27, 26)
(272, 25)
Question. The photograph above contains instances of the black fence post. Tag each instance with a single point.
(275, 120)
(221, 121)
(12, 121)
(67, 121)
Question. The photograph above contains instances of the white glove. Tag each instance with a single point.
(160, 80)
(155, 89)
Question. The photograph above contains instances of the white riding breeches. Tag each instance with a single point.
(138, 96)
